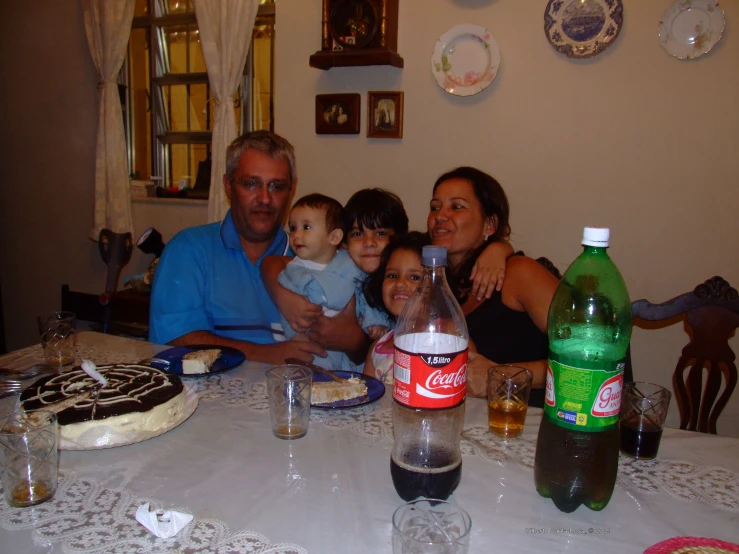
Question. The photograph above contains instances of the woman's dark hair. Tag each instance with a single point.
(494, 203)
(373, 208)
(413, 241)
(489, 193)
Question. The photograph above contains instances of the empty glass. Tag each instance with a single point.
(29, 457)
(428, 526)
(289, 393)
(643, 412)
(58, 333)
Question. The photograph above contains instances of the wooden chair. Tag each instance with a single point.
(711, 312)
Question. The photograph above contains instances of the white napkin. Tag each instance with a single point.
(163, 524)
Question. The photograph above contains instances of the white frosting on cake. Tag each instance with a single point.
(137, 402)
(159, 417)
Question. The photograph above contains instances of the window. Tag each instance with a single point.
(168, 112)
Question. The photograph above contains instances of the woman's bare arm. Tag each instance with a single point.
(529, 288)
(477, 373)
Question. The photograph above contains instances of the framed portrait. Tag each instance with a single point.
(385, 114)
(337, 114)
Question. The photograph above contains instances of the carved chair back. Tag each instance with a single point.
(711, 312)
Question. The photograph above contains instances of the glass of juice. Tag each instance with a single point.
(508, 397)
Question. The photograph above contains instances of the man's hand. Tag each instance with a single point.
(341, 332)
(302, 350)
(268, 353)
(299, 312)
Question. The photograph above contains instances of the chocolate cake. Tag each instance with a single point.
(136, 398)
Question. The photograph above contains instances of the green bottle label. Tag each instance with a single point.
(584, 399)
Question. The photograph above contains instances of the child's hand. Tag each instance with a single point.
(376, 331)
(488, 272)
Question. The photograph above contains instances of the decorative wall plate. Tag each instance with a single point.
(582, 28)
(465, 60)
(690, 28)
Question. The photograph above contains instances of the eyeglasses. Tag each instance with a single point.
(255, 185)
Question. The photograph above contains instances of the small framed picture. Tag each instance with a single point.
(385, 114)
(337, 114)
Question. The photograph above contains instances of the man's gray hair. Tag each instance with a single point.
(267, 143)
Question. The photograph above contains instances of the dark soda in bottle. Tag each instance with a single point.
(589, 329)
(430, 385)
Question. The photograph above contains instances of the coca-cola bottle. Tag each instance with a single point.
(430, 384)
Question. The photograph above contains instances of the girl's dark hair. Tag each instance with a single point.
(373, 208)
(413, 241)
(494, 203)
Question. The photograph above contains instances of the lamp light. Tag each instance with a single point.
(150, 242)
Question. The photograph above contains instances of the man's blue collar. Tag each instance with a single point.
(230, 238)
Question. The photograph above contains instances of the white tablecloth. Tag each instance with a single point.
(331, 491)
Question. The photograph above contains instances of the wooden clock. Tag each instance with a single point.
(358, 32)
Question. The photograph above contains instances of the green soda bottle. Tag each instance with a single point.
(589, 331)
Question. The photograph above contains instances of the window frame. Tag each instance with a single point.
(160, 138)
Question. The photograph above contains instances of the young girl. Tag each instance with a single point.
(389, 288)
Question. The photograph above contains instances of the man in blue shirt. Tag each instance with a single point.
(207, 286)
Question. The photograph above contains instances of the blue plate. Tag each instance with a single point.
(375, 390)
(170, 361)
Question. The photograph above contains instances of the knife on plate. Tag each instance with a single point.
(315, 368)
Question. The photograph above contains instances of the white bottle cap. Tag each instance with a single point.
(596, 236)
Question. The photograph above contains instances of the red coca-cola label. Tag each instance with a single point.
(430, 380)
(608, 400)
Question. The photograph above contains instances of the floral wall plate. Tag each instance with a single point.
(690, 28)
(465, 60)
(582, 28)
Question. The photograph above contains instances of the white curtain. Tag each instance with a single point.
(225, 34)
(108, 26)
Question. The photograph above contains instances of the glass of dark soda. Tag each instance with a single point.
(643, 412)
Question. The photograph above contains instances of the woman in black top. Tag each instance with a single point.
(468, 211)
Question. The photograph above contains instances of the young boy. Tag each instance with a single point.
(324, 274)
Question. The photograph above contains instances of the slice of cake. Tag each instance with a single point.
(199, 361)
(326, 392)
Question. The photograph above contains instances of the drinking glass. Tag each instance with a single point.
(289, 392)
(643, 412)
(58, 333)
(508, 398)
(428, 526)
(29, 457)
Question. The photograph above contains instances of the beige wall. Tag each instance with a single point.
(632, 139)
